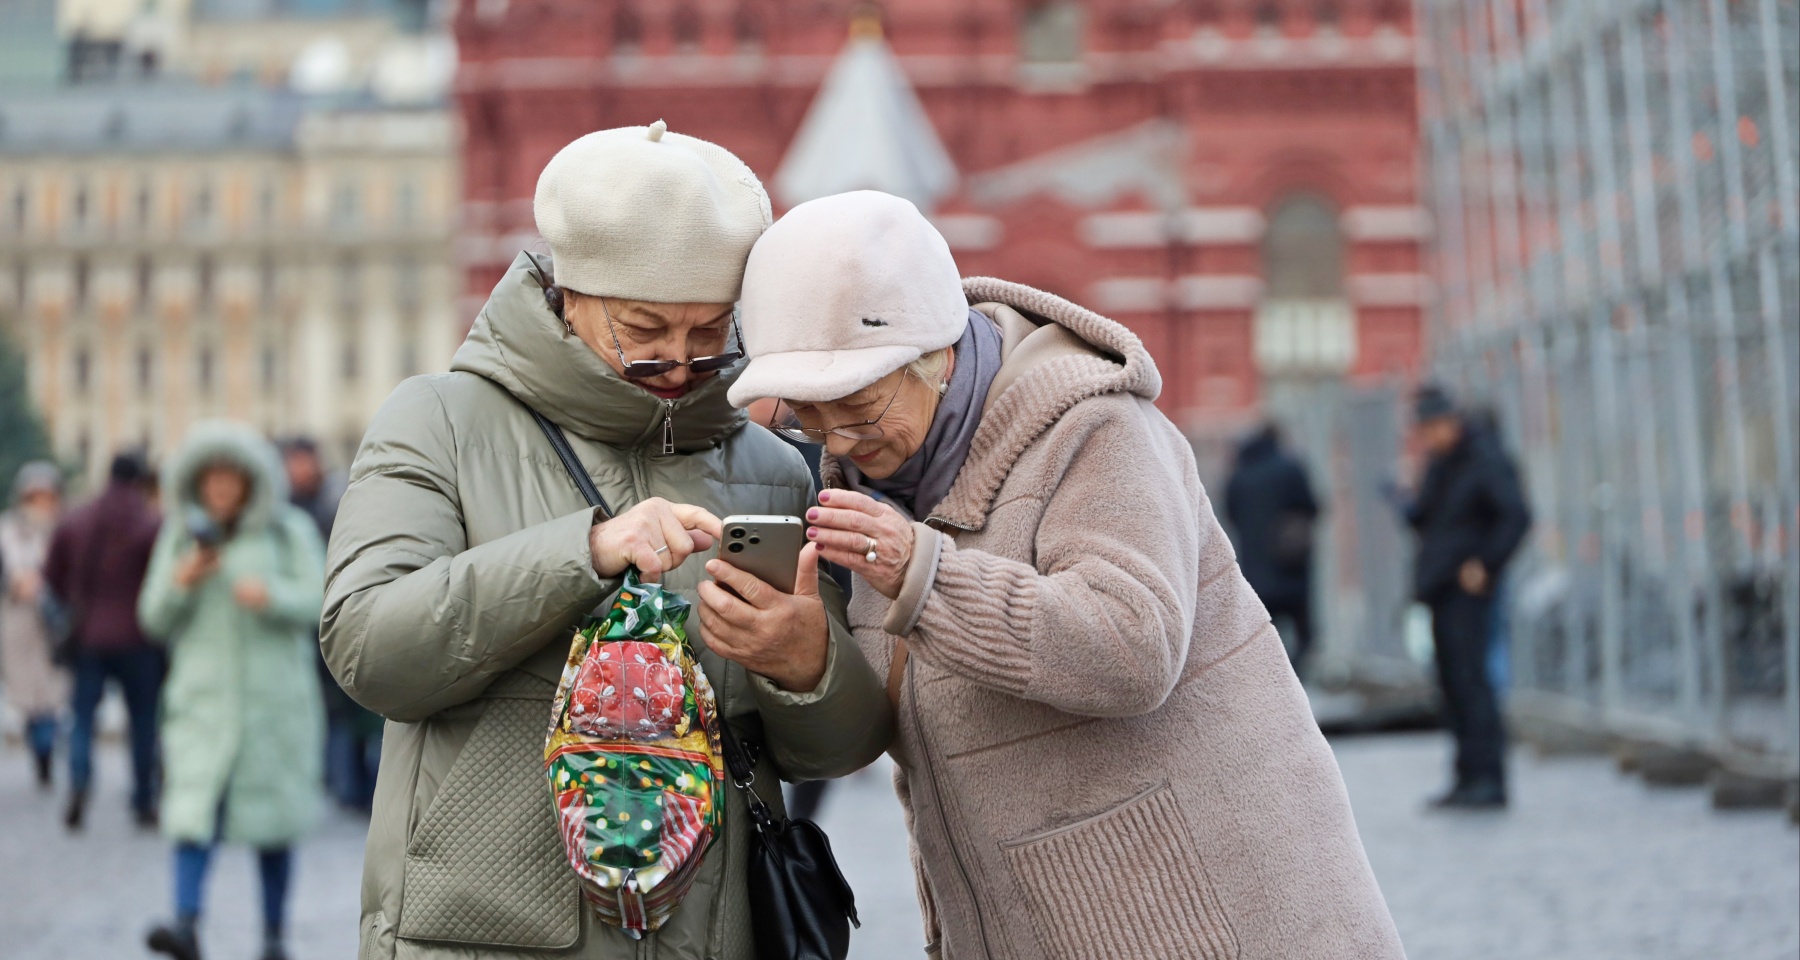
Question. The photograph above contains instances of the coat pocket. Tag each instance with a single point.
(485, 865)
(1126, 883)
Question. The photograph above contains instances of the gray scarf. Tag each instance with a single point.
(924, 479)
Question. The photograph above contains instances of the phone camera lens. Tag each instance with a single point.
(735, 547)
(737, 533)
(755, 540)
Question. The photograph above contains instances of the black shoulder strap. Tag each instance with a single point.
(571, 463)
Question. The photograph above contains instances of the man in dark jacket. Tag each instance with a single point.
(96, 565)
(1270, 505)
(1470, 517)
(353, 734)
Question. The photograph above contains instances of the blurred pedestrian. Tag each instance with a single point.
(1470, 517)
(311, 487)
(352, 733)
(1101, 747)
(96, 566)
(35, 686)
(464, 556)
(234, 593)
(1269, 502)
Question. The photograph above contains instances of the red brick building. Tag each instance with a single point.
(1234, 179)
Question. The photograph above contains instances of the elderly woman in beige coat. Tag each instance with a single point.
(1102, 749)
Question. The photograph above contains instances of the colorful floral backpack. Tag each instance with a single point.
(633, 759)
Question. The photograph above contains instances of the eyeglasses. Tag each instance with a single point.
(790, 427)
(639, 369)
(645, 369)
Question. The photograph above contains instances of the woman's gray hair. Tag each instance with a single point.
(37, 476)
(931, 367)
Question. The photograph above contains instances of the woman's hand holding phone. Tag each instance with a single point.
(782, 636)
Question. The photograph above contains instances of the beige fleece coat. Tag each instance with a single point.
(1103, 752)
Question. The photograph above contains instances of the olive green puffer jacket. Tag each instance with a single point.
(458, 567)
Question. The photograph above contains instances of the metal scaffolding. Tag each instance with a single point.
(1618, 259)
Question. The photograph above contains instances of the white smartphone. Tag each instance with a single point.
(767, 547)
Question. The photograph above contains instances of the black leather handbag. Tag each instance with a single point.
(801, 908)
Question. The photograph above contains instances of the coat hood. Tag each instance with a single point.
(1057, 354)
(519, 344)
(211, 441)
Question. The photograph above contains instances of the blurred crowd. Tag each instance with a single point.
(195, 591)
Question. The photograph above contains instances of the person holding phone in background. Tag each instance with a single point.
(233, 592)
(463, 556)
(1059, 617)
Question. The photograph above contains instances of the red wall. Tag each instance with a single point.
(1270, 111)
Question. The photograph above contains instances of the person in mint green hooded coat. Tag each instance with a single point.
(242, 727)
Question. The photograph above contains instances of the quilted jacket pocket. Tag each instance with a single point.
(485, 865)
(1127, 883)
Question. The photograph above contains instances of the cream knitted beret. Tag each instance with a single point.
(843, 291)
(644, 214)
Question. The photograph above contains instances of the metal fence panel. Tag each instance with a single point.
(1618, 254)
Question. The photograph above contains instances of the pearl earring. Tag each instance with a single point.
(943, 385)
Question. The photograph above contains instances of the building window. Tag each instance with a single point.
(80, 282)
(349, 362)
(271, 370)
(267, 277)
(349, 284)
(406, 201)
(686, 27)
(21, 275)
(146, 371)
(346, 204)
(204, 281)
(266, 199)
(746, 29)
(406, 283)
(1051, 32)
(409, 346)
(144, 199)
(80, 205)
(200, 209)
(1303, 251)
(1304, 325)
(1268, 16)
(84, 364)
(203, 371)
(146, 280)
(21, 207)
(628, 29)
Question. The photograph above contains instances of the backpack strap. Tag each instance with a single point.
(572, 463)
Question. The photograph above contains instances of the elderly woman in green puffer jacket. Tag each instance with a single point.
(234, 590)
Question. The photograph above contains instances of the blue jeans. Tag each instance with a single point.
(41, 732)
(275, 865)
(139, 674)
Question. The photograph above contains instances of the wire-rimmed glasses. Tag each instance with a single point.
(791, 427)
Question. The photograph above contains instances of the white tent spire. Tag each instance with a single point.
(866, 131)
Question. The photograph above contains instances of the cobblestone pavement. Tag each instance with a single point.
(1587, 865)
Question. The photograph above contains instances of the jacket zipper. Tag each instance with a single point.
(937, 801)
(668, 427)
